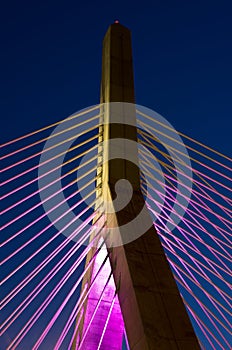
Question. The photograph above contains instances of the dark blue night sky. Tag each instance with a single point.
(182, 50)
(51, 60)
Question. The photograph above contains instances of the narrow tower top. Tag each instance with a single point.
(117, 67)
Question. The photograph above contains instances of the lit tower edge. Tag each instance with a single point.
(152, 308)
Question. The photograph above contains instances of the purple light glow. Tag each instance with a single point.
(115, 327)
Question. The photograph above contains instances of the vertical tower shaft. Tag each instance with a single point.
(151, 305)
(152, 308)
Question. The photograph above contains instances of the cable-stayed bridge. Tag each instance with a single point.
(54, 218)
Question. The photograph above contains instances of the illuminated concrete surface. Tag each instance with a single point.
(152, 308)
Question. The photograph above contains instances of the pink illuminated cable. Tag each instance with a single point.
(173, 265)
(202, 242)
(107, 321)
(47, 173)
(48, 277)
(210, 262)
(193, 279)
(207, 208)
(40, 266)
(186, 221)
(51, 224)
(206, 310)
(168, 178)
(181, 242)
(45, 244)
(21, 173)
(16, 341)
(226, 210)
(221, 207)
(201, 327)
(199, 214)
(74, 314)
(173, 150)
(222, 219)
(172, 178)
(196, 318)
(126, 339)
(44, 263)
(75, 337)
(48, 160)
(46, 186)
(186, 236)
(147, 126)
(193, 202)
(190, 225)
(185, 136)
(207, 186)
(54, 194)
(195, 260)
(49, 126)
(177, 159)
(78, 307)
(211, 298)
(191, 276)
(24, 282)
(67, 327)
(60, 309)
(180, 229)
(94, 313)
(228, 200)
(39, 287)
(197, 183)
(220, 229)
(210, 187)
(43, 215)
(189, 211)
(198, 174)
(52, 147)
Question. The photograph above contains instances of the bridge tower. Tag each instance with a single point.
(147, 299)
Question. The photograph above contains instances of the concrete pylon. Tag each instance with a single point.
(152, 308)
